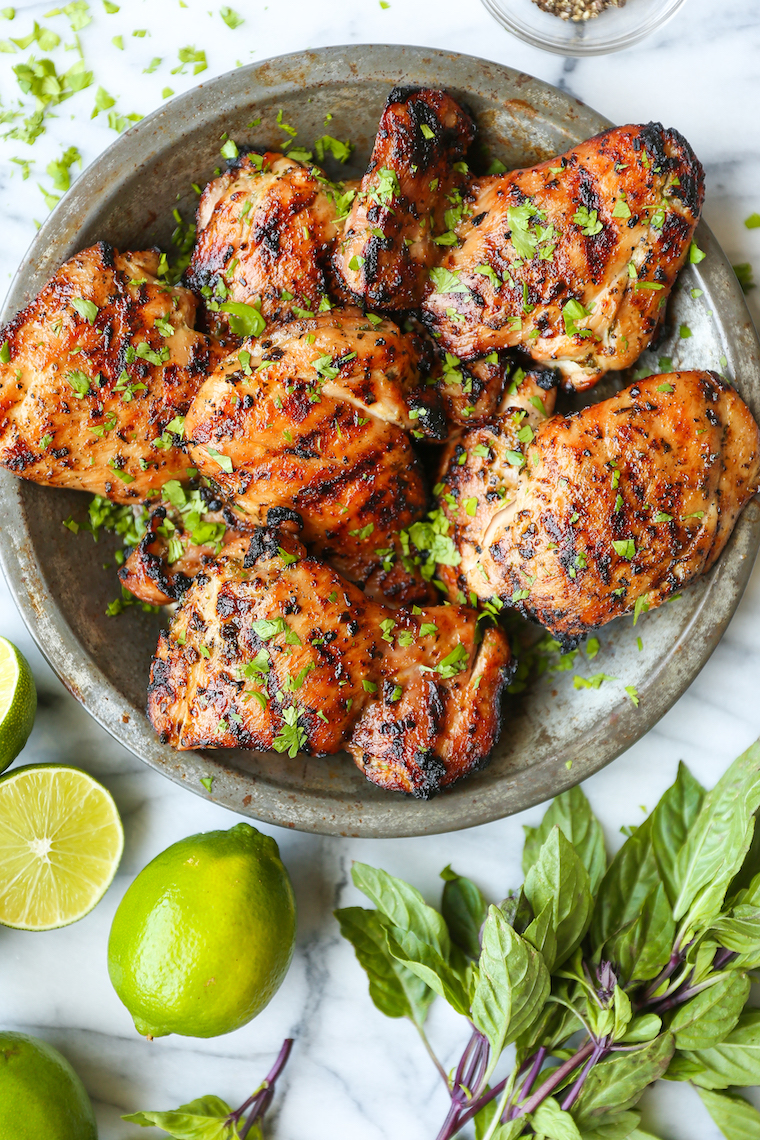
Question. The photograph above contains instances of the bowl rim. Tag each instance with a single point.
(497, 9)
(392, 815)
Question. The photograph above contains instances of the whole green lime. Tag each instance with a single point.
(204, 936)
(40, 1094)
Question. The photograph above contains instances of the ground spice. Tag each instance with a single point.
(577, 9)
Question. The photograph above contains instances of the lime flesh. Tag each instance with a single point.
(18, 702)
(61, 840)
(204, 936)
(40, 1094)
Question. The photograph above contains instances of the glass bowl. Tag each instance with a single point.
(613, 30)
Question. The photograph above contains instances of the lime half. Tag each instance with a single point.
(61, 840)
(18, 702)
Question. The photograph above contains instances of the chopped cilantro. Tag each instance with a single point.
(662, 517)
(684, 332)
(229, 149)
(447, 282)
(369, 686)
(573, 311)
(5, 352)
(208, 781)
(625, 547)
(292, 737)
(744, 274)
(231, 18)
(621, 208)
(696, 254)
(641, 607)
(79, 382)
(752, 222)
(591, 682)
(588, 220)
(224, 461)
(632, 694)
(245, 320)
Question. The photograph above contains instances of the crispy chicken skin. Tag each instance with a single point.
(573, 259)
(266, 229)
(278, 651)
(631, 498)
(87, 393)
(405, 198)
(296, 430)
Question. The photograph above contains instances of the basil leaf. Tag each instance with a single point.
(403, 905)
(683, 1069)
(513, 984)
(643, 947)
(396, 991)
(517, 911)
(747, 880)
(541, 935)
(483, 1119)
(671, 821)
(550, 1120)
(740, 931)
(202, 1119)
(630, 877)
(736, 1117)
(559, 877)
(642, 1029)
(736, 1061)
(708, 1018)
(617, 1083)
(620, 1128)
(464, 909)
(719, 840)
(430, 967)
(572, 813)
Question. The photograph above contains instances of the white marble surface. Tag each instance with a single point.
(354, 1073)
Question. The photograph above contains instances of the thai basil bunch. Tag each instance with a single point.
(605, 976)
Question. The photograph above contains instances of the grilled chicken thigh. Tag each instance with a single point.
(410, 199)
(573, 259)
(627, 500)
(278, 651)
(306, 425)
(97, 368)
(266, 230)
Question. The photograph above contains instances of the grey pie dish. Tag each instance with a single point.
(57, 579)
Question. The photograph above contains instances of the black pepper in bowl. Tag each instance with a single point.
(577, 9)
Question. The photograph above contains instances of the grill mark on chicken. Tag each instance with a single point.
(439, 727)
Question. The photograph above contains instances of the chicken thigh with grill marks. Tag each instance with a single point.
(626, 501)
(266, 231)
(278, 651)
(93, 373)
(307, 424)
(573, 259)
(409, 197)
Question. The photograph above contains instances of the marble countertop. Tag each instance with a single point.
(353, 1072)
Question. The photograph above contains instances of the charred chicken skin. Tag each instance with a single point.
(410, 198)
(98, 367)
(626, 501)
(306, 426)
(278, 651)
(266, 231)
(573, 259)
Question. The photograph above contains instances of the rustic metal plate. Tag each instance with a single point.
(127, 197)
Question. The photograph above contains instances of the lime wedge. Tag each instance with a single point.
(61, 840)
(18, 702)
